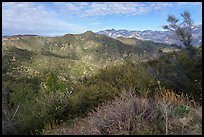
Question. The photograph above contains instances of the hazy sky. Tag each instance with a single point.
(58, 18)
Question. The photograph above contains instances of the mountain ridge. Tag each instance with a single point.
(89, 47)
(165, 37)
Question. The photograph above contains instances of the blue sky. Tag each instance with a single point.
(59, 18)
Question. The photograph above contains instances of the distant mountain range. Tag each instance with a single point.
(166, 37)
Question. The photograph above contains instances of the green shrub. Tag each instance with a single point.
(179, 72)
(181, 110)
(87, 98)
(54, 84)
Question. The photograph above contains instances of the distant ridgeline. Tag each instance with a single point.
(166, 37)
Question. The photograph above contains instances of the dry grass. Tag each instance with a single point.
(130, 114)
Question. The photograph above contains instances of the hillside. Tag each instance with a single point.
(88, 49)
(48, 83)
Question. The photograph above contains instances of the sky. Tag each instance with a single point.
(59, 18)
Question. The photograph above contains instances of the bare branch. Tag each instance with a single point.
(15, 113)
